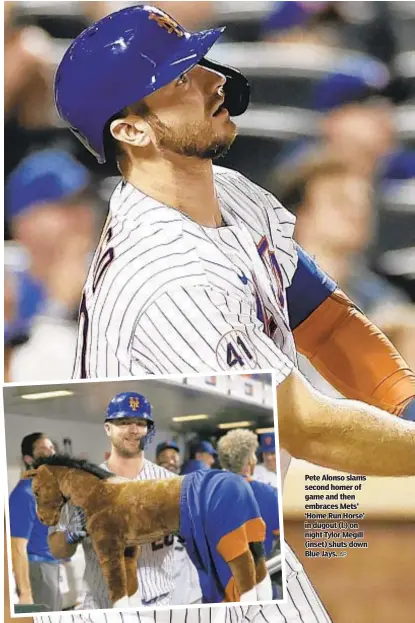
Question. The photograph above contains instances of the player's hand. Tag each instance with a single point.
(76, 531)
(25, 598)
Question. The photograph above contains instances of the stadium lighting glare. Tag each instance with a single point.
(189, 418)
(45, 395)
(243, 424)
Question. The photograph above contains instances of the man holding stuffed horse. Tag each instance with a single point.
(130, 428)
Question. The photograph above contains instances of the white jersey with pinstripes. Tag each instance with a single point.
(303, 606)
(155, 567)
(166, 295)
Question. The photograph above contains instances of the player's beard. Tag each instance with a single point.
(195, 138)
(125, 449)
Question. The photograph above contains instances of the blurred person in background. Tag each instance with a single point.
(367, 27)
(168, 456)
(202, 456)
(50, 208)
(28, 71)
(336, 222)
(35, 570)
(267, 470)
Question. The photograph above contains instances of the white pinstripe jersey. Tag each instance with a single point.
(155, 565)
(167, 295)
(230, 614)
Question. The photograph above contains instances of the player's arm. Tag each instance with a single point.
(22, 509)
(344, 345)
(346, 435)
(20, 563)
(64, 538)
(202, 329)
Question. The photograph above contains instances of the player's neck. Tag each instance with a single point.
(128, 467)
(186, 184)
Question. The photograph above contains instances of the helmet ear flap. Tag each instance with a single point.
(237, 89)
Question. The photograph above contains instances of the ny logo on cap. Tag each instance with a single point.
(167, 22)
(134, 404)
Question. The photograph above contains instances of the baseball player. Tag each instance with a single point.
(236, 452)
(197, 269)
(266, 471)
(130, 427)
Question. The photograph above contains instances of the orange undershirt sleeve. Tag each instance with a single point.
(354, 356)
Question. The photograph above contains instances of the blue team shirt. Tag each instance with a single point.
(218, 510)
(267, 498)
(24, 523)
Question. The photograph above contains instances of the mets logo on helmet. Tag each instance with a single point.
(134, 403)
(167, 22)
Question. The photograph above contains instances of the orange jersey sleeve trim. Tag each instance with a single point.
(354, 356)
(236, 543)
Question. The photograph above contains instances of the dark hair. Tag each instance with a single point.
(28, 443)
(114, 151)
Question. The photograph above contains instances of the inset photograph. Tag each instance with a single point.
(156, 492)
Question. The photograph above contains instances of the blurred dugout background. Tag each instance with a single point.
(331, 131)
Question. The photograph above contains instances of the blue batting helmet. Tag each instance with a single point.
(132, 405)
(126, 56)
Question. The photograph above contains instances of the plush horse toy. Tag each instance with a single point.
(215, 513)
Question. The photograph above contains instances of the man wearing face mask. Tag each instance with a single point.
(130, 428)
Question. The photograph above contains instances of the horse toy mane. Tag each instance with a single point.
(121, 515)
(64, 460)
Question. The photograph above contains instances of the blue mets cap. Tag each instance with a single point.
(46, 176)
(354, 81)
(165, 445)
(205, 446)
(286, 15)
(267, 442)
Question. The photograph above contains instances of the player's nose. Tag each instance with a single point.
(212, 81)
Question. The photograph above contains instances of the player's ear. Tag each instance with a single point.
(107, 428)
(131, 131)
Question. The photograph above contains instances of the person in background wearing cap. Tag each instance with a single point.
(267, 471)
(50, 211)
(36, 570)
(168, 456)
(203, 456)
(130, 428)
(335, 224)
